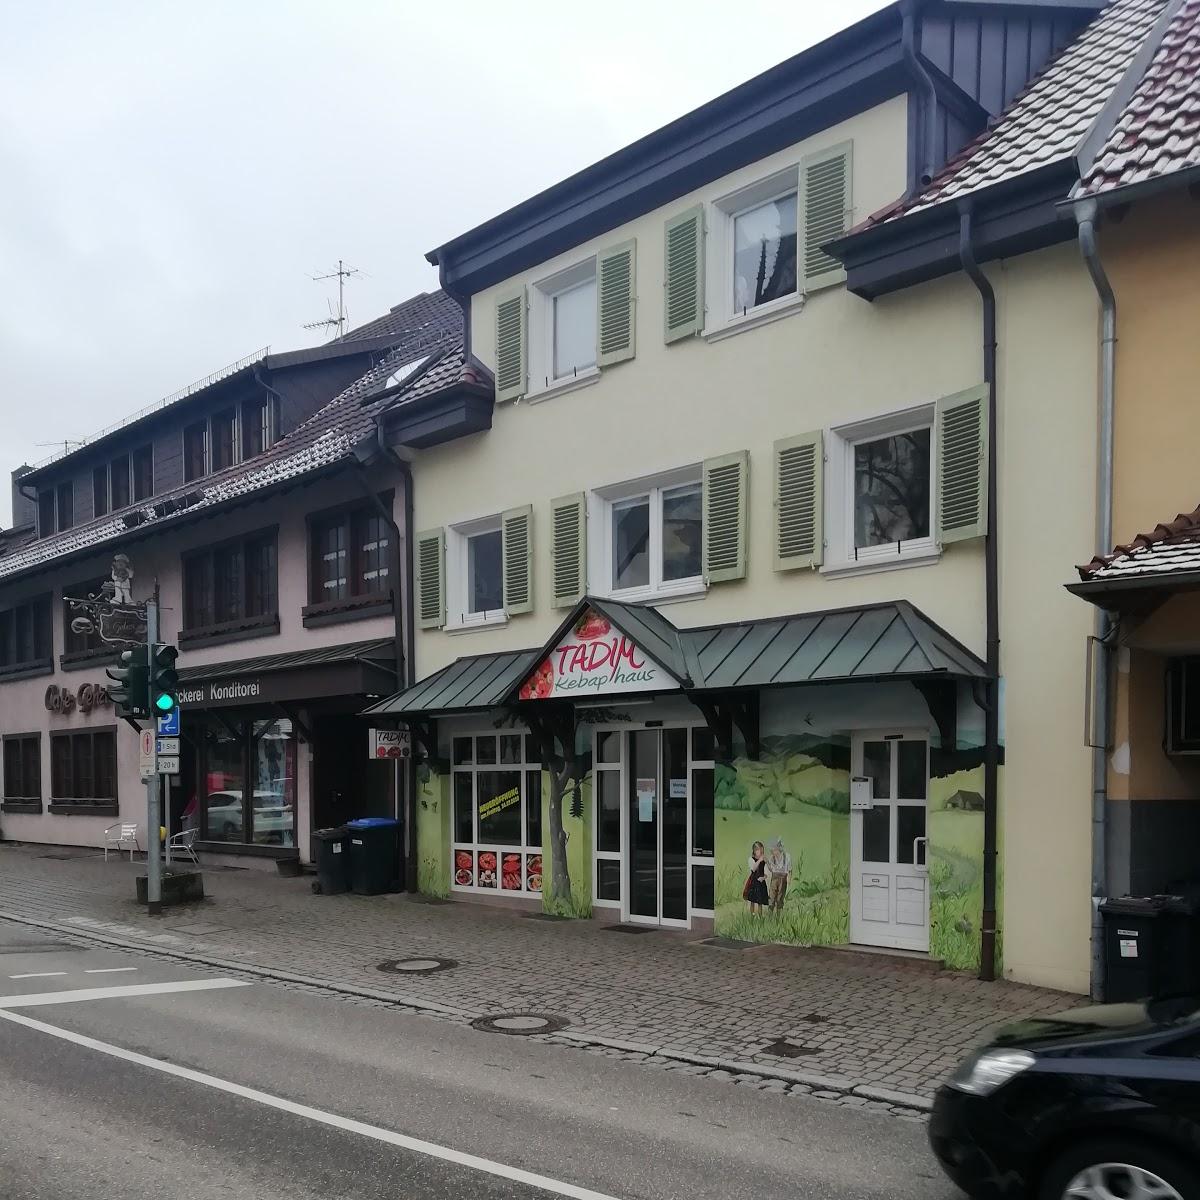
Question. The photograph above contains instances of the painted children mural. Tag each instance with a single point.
(755, 891)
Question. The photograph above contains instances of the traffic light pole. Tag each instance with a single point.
(153, 819)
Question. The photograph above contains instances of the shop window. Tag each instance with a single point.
(351, 556)
(23, 768)
(234, 582)
(248, 783)
(652, 542)
(83, 767)
(26, 640)
(497, 819)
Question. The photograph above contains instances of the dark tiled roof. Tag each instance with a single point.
(878, 641)
(1158, 132)
(325, 440)
(408, 320)
(1168, 549)
(1046, 123)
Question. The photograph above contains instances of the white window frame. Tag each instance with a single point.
(542, 380)
(841, 554)
(458, 574)
(721, 317)
(476, 847)
(601, 503)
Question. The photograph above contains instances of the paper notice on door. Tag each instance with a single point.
(678, 789)
(645, 794)
(1129, 948)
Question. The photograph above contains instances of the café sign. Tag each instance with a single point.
(594, 659)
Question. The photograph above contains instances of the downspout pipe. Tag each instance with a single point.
(991, 570)
(410, 642)
(1086, 214)
(400, 567)
(921, 167)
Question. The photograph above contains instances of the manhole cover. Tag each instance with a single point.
(785, 1049)
(725, 943)
(520, 1024)
(416, 966)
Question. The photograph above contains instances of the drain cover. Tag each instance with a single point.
(725, 943)
(416, 966)
(520, 1024)
(629, 928)
(785, 1049)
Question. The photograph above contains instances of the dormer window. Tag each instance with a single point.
(56, 509)
(124, 480)
(259, 426)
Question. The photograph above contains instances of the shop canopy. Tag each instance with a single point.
(606, 648)
(348, 669)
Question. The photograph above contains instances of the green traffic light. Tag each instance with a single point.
(164, 703)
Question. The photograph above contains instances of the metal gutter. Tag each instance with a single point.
(920, 175)
(1085, 216)
(991, 685)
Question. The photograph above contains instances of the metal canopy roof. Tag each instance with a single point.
(871, 642)
(381, 650)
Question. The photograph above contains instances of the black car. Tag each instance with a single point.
(1096, 1103)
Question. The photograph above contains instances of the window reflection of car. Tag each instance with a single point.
(274, 820)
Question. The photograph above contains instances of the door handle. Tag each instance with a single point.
(923, 866)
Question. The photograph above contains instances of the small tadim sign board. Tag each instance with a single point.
(391, 743)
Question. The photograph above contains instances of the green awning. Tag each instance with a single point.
(876, 642)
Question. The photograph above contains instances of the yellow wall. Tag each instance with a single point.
(1153, 261)
(837, 360)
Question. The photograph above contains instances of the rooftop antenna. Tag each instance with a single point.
(66, 445)
(337, 323)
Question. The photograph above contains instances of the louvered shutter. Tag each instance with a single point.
(568, 553)
(517, 542)
(725, 481)
(431, 578)
(825, 202)
(799, 529)
(962, 453)
(615, 334)
(683, 277)
(512, 367)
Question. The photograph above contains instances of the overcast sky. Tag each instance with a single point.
(172, 174)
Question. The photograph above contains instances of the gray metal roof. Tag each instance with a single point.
(467, 684)
(872, 642)
(378, 650)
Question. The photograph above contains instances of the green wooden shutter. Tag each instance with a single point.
(517, 543)
(431, 578)
(962, 455)
(799, 529)
(825, 204)
(725, 481)
(512, 366)
(568, 552)
(617, 272)
(683, 277)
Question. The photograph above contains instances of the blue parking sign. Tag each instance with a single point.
(168, 726)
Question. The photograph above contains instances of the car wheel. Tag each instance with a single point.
(1119, 1169)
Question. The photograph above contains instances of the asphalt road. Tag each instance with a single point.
(261, 1092)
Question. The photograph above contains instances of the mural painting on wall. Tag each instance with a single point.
(433, 831)
(783, 838)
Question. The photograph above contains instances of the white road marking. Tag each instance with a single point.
(113, 993)
(555, 1186)
(38, 975)
(108, 970)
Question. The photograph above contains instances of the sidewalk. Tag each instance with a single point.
(845, 1018)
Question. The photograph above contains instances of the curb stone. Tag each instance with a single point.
(824, 1087)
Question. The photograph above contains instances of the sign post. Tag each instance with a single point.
(153, 817)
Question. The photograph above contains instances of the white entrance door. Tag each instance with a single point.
(889, 878)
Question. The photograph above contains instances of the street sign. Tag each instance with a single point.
(146, 763)
(391, 743)
(168, 745)
(168, 764)
(168, 726)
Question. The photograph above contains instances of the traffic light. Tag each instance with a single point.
(129, 690)
(164, 680)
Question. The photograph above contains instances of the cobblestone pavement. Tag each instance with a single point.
(828, 1021)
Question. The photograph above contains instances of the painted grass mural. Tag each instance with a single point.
(576, 809)
(433, 832)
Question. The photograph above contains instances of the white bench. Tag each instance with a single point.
(121, 836)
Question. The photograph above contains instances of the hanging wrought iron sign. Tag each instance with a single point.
(111, 614)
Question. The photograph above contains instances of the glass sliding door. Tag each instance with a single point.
(674, 807)
(644, 807)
